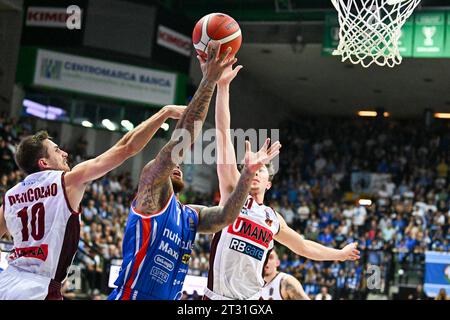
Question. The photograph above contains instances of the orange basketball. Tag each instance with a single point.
(217, 26)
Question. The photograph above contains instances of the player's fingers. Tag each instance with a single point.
(266, 144)
(230, 62)
(213, 49)
(224, 56)
(273, 155)
(200, 59)
(275, 146)
(237, 69)
(247, 146)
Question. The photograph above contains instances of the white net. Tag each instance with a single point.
(370, 29)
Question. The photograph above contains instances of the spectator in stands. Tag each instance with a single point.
(323, 295)
(442, 295)
(6, 157)
(90, 212)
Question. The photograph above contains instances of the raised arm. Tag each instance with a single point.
(213, 219)
(227, 171)
(129, 145)
(313, 250)
(154, 185)
(292, 289)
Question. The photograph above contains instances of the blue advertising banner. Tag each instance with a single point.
(437, 272)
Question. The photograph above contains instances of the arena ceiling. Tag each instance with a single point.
(7, 5)
(316, 84)
(265, 10)
(282, 53)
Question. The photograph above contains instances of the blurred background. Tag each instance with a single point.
(366, 152)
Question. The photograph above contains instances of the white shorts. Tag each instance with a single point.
(21, 285)
(215, 296)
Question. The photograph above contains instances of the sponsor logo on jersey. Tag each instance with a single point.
(178, 282)
(164, 262)
(244, 211)
(246, 248)
(175, 237)
(183, 270)
(251, 230)
(247, 206)
(185, 259)
(164, 246)
(159, 275)
(40, 252)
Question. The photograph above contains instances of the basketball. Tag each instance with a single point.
(217, 26)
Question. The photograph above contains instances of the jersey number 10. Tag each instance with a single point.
(37, 222)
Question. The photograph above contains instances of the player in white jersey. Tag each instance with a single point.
(239, 252)
(280, 285)
(42, 212)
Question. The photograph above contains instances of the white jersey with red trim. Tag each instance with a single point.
(239, 253)
(272, 290)
(45, 229)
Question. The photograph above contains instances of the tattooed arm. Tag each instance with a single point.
(155, 186)
(213, 219)
(292, 289)
(129, 145)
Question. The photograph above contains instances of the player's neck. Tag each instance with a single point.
(258, 196)
(270, 277)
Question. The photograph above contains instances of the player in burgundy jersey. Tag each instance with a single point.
(239, 252)
(41, 212)
(280, 285)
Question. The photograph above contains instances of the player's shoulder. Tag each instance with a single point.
(288, 278)
(190, 208)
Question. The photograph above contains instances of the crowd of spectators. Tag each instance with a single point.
(316, 193)
(410, 210)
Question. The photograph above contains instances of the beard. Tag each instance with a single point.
(177, 184)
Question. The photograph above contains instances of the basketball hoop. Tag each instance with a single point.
(370, 29)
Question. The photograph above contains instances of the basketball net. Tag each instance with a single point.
(370, 30)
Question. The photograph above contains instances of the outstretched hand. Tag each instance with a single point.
(255, 161)
(217, 63)
(174, 111)
(228, 75)
(350, 252)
